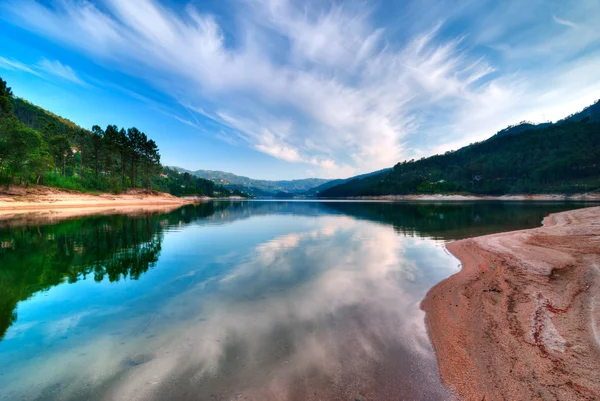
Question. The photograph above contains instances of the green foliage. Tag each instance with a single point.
(39, 147)
(39, 119)
(559, 158)
(437, 187)
(186, 184)
(6, 96)
(54, 179)
(23, 153)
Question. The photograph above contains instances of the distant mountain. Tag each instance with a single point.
(562, 157)
(258, 187)
(323, 187)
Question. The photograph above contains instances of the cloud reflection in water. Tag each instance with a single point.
(327, 310)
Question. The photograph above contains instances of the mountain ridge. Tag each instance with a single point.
(524, 158)
(257, 187)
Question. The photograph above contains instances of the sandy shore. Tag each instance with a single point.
(591, 196)
(51, 216)
(16, 200)
(521, 320)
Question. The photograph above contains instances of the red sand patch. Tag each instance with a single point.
(519, 321)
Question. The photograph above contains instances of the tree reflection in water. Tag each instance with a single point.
(34, 258)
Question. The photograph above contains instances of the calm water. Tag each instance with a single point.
(220, 301)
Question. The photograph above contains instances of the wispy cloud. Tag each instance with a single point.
(45, 68)
(328, 84)
(56, 68)
(564, 22)
(14, 65)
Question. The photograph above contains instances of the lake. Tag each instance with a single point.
(251, 300)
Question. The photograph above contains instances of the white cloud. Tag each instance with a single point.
(329, 303)
(564, 22)
(55, 67)
(45, 68)
(14, 65)
(323, 84)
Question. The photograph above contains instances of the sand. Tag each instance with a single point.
(521, 320)
(56, 202)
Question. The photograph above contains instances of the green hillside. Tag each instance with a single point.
(37, 118)
(323, 187)
(554, 158)
(40, 147)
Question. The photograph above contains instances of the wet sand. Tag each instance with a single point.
(521, 321)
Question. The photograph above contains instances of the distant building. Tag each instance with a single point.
(75, 149)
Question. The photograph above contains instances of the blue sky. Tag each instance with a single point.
(280, 89)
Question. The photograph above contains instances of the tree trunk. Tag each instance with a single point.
(12, 177)
(123, 161)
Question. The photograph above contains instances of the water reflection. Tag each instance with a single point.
(36, 257)
(454, 220)
(255, 300)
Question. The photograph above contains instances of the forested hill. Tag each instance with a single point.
(39, 147)
(555, 158)
(257, 187)
(316, 190)
(39, 119)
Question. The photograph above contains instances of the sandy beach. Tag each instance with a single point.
(56, 202)
(520, 321)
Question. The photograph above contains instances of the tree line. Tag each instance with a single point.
(552, 158)
(39, 147)
(186, 184)
(53, 151)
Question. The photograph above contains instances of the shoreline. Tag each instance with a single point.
(51, 216)
(588, 196)
(44, 201)
(52, 201)
(521, 317)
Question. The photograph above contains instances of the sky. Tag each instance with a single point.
(284, 89)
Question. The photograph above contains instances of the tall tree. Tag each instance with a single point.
(60, 147)
(6, 107)
(22, 142)
(151, 161)
(124, 146)
(111, 146)
(97, 148)
(136, 140)
(37, 145)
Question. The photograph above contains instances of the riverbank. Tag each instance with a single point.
(19, 200)
(521, 320)
(590, 196)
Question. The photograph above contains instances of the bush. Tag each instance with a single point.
(53, 179)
